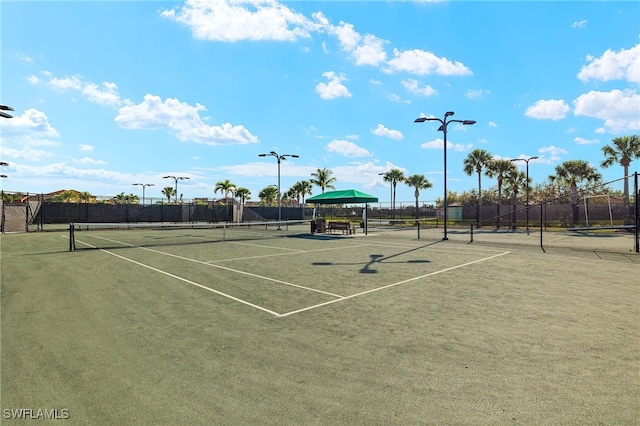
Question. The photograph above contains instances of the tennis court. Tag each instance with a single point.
(190, 327)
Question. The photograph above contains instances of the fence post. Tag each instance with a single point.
(541, 246)
(637, 205)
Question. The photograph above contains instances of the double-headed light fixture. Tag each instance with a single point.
(176, 178)
(443, 128)
(526, 160)
(144, 185)
(279, 157)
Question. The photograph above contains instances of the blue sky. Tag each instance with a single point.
(107, 94)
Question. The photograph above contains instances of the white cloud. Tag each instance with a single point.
(106, 95)
(477, 93)
(85, 147)
(583, 141)
(493, 124)
(579, 24)
(381, 130)
(347, 36)
(613, 65)
(370, 52)
(33, 79)
(619, 109)
(422, 62)
(237, 20)
(66, 83)
(552, 109)
(348, 149)
(334, 87)
(183, 119)
(553, 152)
(87, 160)
(25, 153)
(32, 123)
(439, 144)
(367, 50)
(413, 86)
(102, 94)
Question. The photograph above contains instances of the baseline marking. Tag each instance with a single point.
(391, 285)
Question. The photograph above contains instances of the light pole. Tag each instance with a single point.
(176, 178)
(279, 157)
(526, 160)
(144, 185)
(444, 123)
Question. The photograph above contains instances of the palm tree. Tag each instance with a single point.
(305, 189)
(225, 187)
(515, 180)
(168, 191)
(322, 178)
(624, 150)
(268, 195)
(85, 197)
(418, 182)
(500, 169)
(572, 173)
(394, 176)
(121, 198)
(243, 194)
(476, 161)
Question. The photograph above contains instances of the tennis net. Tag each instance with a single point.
(123, 235)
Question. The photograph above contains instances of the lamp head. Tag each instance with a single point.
(468, 122)
(448, 114)
(262, 155)
(420, 120)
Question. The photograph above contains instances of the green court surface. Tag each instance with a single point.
(373, 329)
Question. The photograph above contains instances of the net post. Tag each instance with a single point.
(471, 234)
(72, 239)
(418, 229)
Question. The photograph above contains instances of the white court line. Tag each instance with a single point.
(433, 247)
(559, 238)
(222, 267)
(185, 280)
(287, 254)
(259, 245)
(391, 285)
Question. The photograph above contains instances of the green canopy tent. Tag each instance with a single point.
(347, 196)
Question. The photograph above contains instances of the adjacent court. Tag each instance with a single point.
(188, 326)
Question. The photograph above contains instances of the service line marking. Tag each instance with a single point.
(392, 285)
(221, 267)
(204, 287)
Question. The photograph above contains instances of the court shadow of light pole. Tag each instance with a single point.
(376, 259)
